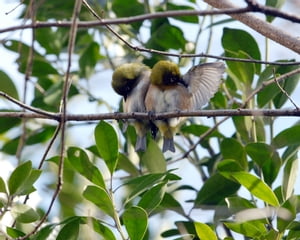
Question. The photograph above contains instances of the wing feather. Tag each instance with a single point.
(203, 81)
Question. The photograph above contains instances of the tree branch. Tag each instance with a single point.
(256, 7)
(154, 116)
(262, 27)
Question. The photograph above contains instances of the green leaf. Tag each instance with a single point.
(169, 202)
(7, 85)
(154, 159)
(236, 204)
(266, 158)
(229, 165)
(152, 198)
(7, 123)
(127, 9)
(80, 161)
(275, 4)
(256, 186)
(102, 230)
(143, 183)
(290, 174)
(70, 230)
(18, 177)
(28, 183)
(242, 73)
(107, 144)
(51, 40)
(242, 127)
(235, 40)
(232, 149)
(272, 92)
(188, 19)
(204, 232)
(250, 229)
(44, 232)
(125, 164)
(88, 60)
(222, 188)
(100, 198)
(41, 135)
(11, 146)
(14, 233)
(165, 36)
(2, 186)
(24, 214)
(136, 222)
(287, 137)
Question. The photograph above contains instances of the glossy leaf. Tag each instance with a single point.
(80, 161)
(136, 222)
(88, 60)
(2, 186)
(7, 123)
(165, 36)
(290, 174)
(102, 230)
(272, 92)
(169, 202)
(242, 127)
(44, 232)
(52, 40)
(236, 204)
(28, 183)
(252, 229)
(107, 144)
(235, 40)
(241, 73)
(7, 85)
(154, 159)
(41, 135)
(188, 19)
(266, 158)
(275, 4)
(287, 137)
(152, 198)
(18, 177)
(204, 232)
(127, 9)
(232, 149)
(24, 214)
(100, 198)
(70, 230)
(222, 188)
(14, 233)
(125, 164)
(143, 183)
(256, 186)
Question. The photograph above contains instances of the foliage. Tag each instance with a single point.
(247, 176)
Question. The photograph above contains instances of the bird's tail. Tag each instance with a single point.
(168, 144)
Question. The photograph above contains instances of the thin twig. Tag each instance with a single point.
(271, 11)
(285, 92)
(73, 32)
(25, 106)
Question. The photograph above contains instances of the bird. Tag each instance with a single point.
(170, 91)
(132, 80)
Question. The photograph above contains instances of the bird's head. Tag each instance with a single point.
(165, 73)
(126, 77)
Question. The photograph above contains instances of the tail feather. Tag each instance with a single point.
(141, 144)
(168, 144)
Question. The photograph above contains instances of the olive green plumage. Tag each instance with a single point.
(126, 77)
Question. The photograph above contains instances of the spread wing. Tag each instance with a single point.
(203, 81)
